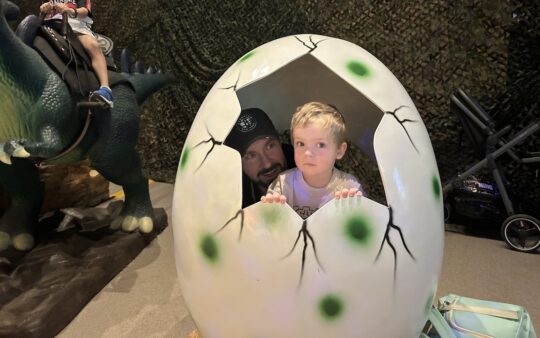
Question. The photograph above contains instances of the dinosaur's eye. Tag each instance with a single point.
(262, 270)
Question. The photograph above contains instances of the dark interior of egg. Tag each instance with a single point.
(307, 79)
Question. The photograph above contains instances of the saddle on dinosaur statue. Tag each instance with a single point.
(59, 46)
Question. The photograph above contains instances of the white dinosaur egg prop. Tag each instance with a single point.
(355, 268)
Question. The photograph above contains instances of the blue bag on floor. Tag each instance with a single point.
(463, 317)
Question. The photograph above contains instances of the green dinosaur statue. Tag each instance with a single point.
(39, 119)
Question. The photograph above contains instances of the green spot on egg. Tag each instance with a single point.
(247, 56)
(271, 215)
(358, 229)
(209, 248)
(436, 187)
(358, 68)
(184, 158)
(331, 307)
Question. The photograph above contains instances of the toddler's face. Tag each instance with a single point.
(315, 152)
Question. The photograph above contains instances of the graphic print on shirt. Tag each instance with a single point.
(304, 211)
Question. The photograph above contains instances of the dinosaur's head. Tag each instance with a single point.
(9, 10)
(25, 81)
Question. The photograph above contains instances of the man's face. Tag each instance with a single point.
(263, 161)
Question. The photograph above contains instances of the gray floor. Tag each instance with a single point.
(145, 300)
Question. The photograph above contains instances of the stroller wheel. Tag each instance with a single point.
(447, 212)
(521, 232)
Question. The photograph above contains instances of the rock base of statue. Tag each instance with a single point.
(41, 291)
(74, 185)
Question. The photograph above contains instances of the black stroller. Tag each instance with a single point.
(520, 230)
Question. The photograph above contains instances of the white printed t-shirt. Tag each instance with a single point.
(305, 199)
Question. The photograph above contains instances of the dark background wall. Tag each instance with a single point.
(490, 48)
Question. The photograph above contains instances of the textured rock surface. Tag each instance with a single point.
(72, 186)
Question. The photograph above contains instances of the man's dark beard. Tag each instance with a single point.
(276, 166)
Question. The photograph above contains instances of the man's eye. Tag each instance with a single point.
(249, 156)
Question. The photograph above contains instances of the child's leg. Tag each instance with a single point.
(99, 64)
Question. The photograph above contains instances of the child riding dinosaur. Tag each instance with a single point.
(80, 19)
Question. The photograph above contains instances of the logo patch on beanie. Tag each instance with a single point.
(246, 123)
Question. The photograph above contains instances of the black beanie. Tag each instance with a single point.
(252, 124)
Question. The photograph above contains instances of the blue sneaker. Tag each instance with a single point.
(103, 94)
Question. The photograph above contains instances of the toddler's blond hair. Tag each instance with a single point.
(325, 115)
